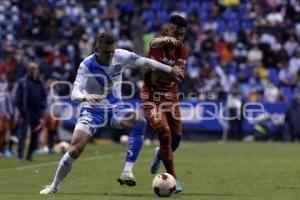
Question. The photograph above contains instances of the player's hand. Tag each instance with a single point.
(171, 40)
(92, 98)
(145, 70)
(177, 73)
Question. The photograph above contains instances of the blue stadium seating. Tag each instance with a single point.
(273, 76)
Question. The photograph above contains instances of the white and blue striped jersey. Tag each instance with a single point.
(93, 78)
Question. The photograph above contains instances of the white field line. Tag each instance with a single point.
(34, 166)
(56, 162)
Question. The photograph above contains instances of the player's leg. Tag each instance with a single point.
(158, 121)
(84, 129)
(22, 137)
(35, 127)
(155, 165)
(174, 120)
(175, 143)
(153, 119)
(136, 123)
(2, 135)
(165, 149)
(79, 140)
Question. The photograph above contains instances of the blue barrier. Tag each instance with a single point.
(206, 116)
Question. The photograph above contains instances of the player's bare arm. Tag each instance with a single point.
(161, 41)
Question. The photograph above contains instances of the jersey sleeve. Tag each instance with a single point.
(78, 90)
(82, 76)
(129, 58)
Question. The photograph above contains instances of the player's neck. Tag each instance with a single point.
(98, 60)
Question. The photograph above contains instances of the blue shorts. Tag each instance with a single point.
(90, 119)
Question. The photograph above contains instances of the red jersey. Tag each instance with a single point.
(161, 82)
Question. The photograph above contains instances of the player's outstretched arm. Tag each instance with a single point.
(161, 41)
(176, 72)
(78, 92)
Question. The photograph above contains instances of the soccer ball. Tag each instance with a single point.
(164, 184)
(124, 139)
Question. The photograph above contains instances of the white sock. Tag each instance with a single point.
(128, 166)
(63, 169)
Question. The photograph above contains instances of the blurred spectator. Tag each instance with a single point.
(234, 106)
(193, 68)
(125, 43)
(272, 94)
(85, 47)
(219, 45)
(56, 60)
(261, 72)
(268, 38)
(290, 46)
(14, 122)
(6, 110)
(253, 38)
(275, 18)
(227, 54)
(208, 42)
(294, 63)
(210, 25)
(240, 53)
(9, 65)
(31, 102)
(230, 36)
(50, 122)
(286, 77)
(230, 2)
(255, 55)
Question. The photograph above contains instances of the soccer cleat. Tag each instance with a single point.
(48, 190)
(156, 161)
(178, 187)
(127, 178)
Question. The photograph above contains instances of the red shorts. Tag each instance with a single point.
(159, 116)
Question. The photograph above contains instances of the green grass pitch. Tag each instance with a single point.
(216, 171)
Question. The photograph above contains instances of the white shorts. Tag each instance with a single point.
(91, 119)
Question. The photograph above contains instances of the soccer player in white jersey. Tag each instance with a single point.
(98, 85)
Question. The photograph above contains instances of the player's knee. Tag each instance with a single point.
(164, 135)
(139, 127)
(162, 131)
(175, 142)
(130, 120)
(75, 151)
(165, 140)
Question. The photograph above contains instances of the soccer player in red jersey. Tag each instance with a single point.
(160, 94)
